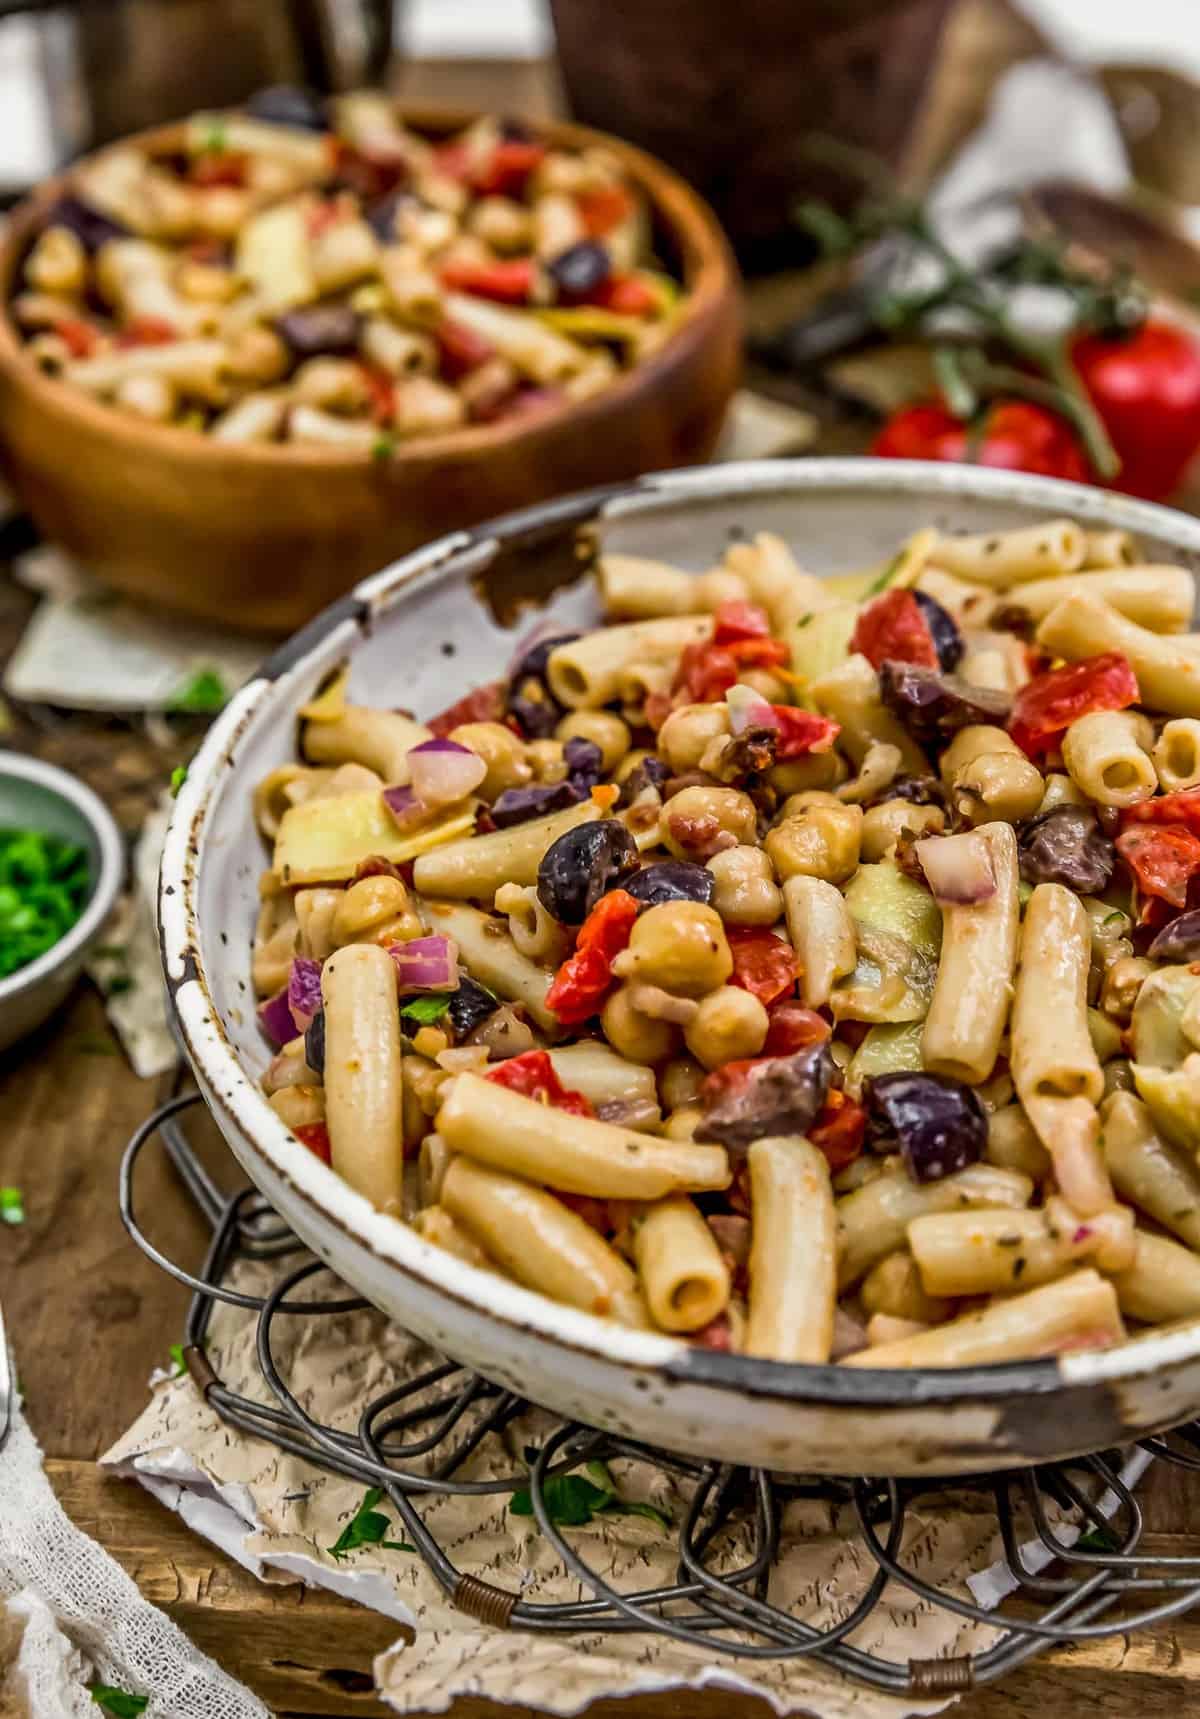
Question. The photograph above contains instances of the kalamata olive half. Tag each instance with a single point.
(381, 215)
(777, 1095)
(518, 805)
(469, 1007)
(933, 706)
(89, 226)
(533, 661)
(579, 270)
(947, 640)
(1178, 941)
(585, 763)
(671, 880)
(583, 865)
(321, 328)
(314, 1043)
(1066, 845)
(938, 1123)
(537, 713)
(917, 790)
(648, 772)
(287, 104)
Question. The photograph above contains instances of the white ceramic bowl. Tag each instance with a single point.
(39, 796)
(419, 634)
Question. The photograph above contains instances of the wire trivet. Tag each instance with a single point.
(414, 1442)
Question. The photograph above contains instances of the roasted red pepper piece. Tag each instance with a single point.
(224, 167)
(793, 1027)
(1045, 707)
(532, 1075)
(382, 390)
(509, 281)
(1181, 808)
(147, 331)
(892, 628)
(485, 704)
(763, 964)
(583, 981)
(460, 349)
(315, 1135)
(1162, 857)
(839, 1130)
(505, 171)
(800, 732)
(80, 338)
(603, 209)
(707, 671)
(735, 619)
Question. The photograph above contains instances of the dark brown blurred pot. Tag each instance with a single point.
(730, 91)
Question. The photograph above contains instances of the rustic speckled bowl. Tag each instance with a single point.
(426, 630)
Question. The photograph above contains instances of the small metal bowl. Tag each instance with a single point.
(39, 796)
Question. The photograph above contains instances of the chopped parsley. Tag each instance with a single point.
(203, 695)
(428, 1010)
(215, 140)
(12, 1206)
(178, 778)
(572, 1500)
(177, 1360)
(1109, 917)
(367, 1527)
(885, 578)
(1097, 1540)
(44, 886)
(383, 447)
(119, 1702)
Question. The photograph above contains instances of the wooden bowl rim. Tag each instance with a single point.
(710, 280)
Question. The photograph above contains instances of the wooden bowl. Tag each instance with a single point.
(262, 537)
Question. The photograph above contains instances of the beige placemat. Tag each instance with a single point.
(278, 1516)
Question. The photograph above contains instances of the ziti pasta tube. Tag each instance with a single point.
(363, 1090)
(971, 997)
(793, 1252)
(683, 1276)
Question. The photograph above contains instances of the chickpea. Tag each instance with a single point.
(684, 737)
(502, 751)
(502, 223)
(816, 770)
(746, 892)
(894, 1287)
(729, 1023)
(547, 761)
(603, 729)
(57, 263)
(800, 802)
(680, 946)
(1061, 791)
(631, 1034)
(367, 904)
(1122, 983)
(774, 690)
(998, 786)
(697, 819)
(149, 397)
(299, 1106)
(978, 740)
(682, 1124)
(257, 355)
(884, 825)
(334, 384)
(680, 1082)
(824, 842)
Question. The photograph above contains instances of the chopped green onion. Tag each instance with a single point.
(12, 1206)
(383, 447)
(426, 1010)
(886, 577)
(44, 886)
(203, 695)
(178, 778)
(176, 1354)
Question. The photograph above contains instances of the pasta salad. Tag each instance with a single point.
(303, 272)
(808, 967)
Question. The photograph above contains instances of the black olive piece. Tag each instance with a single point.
(288, 104)
(470, 1006)
(534, 660)
(671, 880)
(947, 640)
(939, 1123)
(779, 1095)
(934, 706)
(648, 772)
(89, 226)
(518, 805)
(917, 790)
(585, 763)
(1178, 941)
(381, 216)
(579, 270)
(314, 1043)
(1066, 845)
(582, 865)
(515, 131)
(538, 714)
(319, 329)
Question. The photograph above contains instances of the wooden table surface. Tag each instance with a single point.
(90, 1316)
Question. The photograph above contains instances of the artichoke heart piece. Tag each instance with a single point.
(326, 839)
(891, 983)
(1172, 1096)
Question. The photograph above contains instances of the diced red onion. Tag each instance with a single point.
(443, 771)
(406, 809)
(748, 709)
(275, 1019)
(1081, 1234)
(304, 991)
(959, 868)
(426, 964)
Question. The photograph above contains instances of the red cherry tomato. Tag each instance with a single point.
(1180, 808)
(1016, 436)
(893, 628)
(705, 673)
(793, 1027)
(532, 1075)
(460, 349)
(1146, 388)
(1162, 858)
(800, 732)
(1045, 707)
(839, 1130)
(315, 1135)
(485, 704)
(603, 209)
(584, 979)
(505, 171)
(628, 295)
(763, 964)
(735, 620)
(509, 281)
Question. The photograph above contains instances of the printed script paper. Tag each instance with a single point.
(278, 1515)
